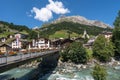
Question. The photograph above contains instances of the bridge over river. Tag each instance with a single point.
(8, 62)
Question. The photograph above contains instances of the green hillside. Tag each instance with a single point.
(60, 29)
(62, 34)
(10, 28)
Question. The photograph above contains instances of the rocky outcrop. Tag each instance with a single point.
(82, 20)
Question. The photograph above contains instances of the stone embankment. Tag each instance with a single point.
(32, 64)
(68, 67)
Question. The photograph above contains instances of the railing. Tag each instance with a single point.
(20, 57)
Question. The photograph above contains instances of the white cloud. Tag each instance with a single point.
(42, 14)
(46, 13)
(57, 7)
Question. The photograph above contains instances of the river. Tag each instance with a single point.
(73, 74)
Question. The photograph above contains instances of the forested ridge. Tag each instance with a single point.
(73, 27)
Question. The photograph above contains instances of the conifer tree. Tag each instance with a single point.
(116, 36)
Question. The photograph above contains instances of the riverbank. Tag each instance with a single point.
(22, 72)
(32, 64)
(90, 64)
(71, 71)
(63, 71)
(66, 68)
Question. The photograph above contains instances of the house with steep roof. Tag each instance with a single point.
(41, 43)
(3, 39)
(20, 35)
(107, 34)
(16, 44)
(5, 48)
(90, 42)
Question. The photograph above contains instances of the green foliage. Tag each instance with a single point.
(15, 27)
(71, 27)
(117, 20)
(64, 54)
(75, 53)
(4, 29)
(85, 39)
(62, 34)
(99, 73)
(103, 49)
(116, 36)
(90, 53)
(32, 35)
(69, 33)
(1, 30)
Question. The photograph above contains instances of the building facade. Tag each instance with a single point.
(40, 43)
(5, 48)
(16, 44)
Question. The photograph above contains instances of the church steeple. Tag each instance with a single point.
(85, 35)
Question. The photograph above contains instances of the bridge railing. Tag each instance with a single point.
(3, 60)
(20, 57)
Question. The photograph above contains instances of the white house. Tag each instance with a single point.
(40, 43)
(3, 39)
(10, 36)
(107, 35)
(18, 35)
(16, 44)
(43, 43)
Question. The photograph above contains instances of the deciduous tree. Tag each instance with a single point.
(103, 49)
(75, 53)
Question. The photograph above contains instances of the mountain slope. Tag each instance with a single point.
(82, 20)
(9, 28)
(77, 28)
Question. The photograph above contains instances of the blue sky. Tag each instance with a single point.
(37, 12)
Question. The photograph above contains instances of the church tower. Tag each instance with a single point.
(85, 35)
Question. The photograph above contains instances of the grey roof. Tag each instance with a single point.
(5, 44)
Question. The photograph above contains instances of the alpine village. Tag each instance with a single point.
(89, 47)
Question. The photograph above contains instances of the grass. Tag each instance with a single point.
(24, 32)
(5, 34)
(90, 52)
(62, 34)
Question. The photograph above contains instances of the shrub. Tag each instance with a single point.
(99, 72)
(75, 53)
